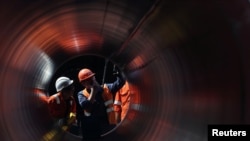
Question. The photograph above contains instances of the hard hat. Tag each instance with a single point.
(63, 82)
(85, 74)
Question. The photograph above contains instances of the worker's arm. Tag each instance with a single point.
(54, 107)
(72, 114)
(87, 103)
(117, 107)
(83, 101)
(114, 87)
(118, 117)
(117, 110)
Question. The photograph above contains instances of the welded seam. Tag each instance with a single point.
(104, 17)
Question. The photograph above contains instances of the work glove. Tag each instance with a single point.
(118, 73)
(72, 118)
(115, 71)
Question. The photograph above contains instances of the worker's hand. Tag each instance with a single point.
(72, 118)
(115, 71)
(91, 97)
(71, 115)
(118, 73)
(96, 85)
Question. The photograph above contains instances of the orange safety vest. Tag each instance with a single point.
(108, 102)
(57, 106)
(122, 100)
(126, 98)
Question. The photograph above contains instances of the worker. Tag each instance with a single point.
(62, 106)
(126, 98)
(96, 102)
(121, 103)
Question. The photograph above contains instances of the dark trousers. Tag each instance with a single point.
(91, 128)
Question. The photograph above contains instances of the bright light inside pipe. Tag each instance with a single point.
(46, 71)
(80, 42)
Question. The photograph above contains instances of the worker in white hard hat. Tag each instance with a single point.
(62, 106)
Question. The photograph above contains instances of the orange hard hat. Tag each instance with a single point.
(85, 74)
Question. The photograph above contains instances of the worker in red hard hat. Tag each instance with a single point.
(62, 106)
(96, 102)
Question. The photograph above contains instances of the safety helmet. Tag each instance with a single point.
(85, 74)
(63, 82)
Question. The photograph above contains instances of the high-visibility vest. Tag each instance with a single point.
(57, 106)
(108, 102)
(126, 98)
(122, 100)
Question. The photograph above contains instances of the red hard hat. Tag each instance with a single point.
(85, 74)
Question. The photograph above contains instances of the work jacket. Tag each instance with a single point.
(60, 108)
(126, 98)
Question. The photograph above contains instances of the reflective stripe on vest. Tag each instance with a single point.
(135, 106)
(116, 102)
(108, 102)
(111, 109)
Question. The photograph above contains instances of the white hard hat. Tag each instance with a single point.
(63, 82)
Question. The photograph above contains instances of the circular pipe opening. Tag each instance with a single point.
(187, 64)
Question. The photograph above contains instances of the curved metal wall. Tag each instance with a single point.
(189, 59)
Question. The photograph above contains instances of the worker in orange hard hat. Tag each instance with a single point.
(96, 102)
(126, 98)
(62, 105)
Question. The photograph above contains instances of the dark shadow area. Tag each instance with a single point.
(189, 59)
